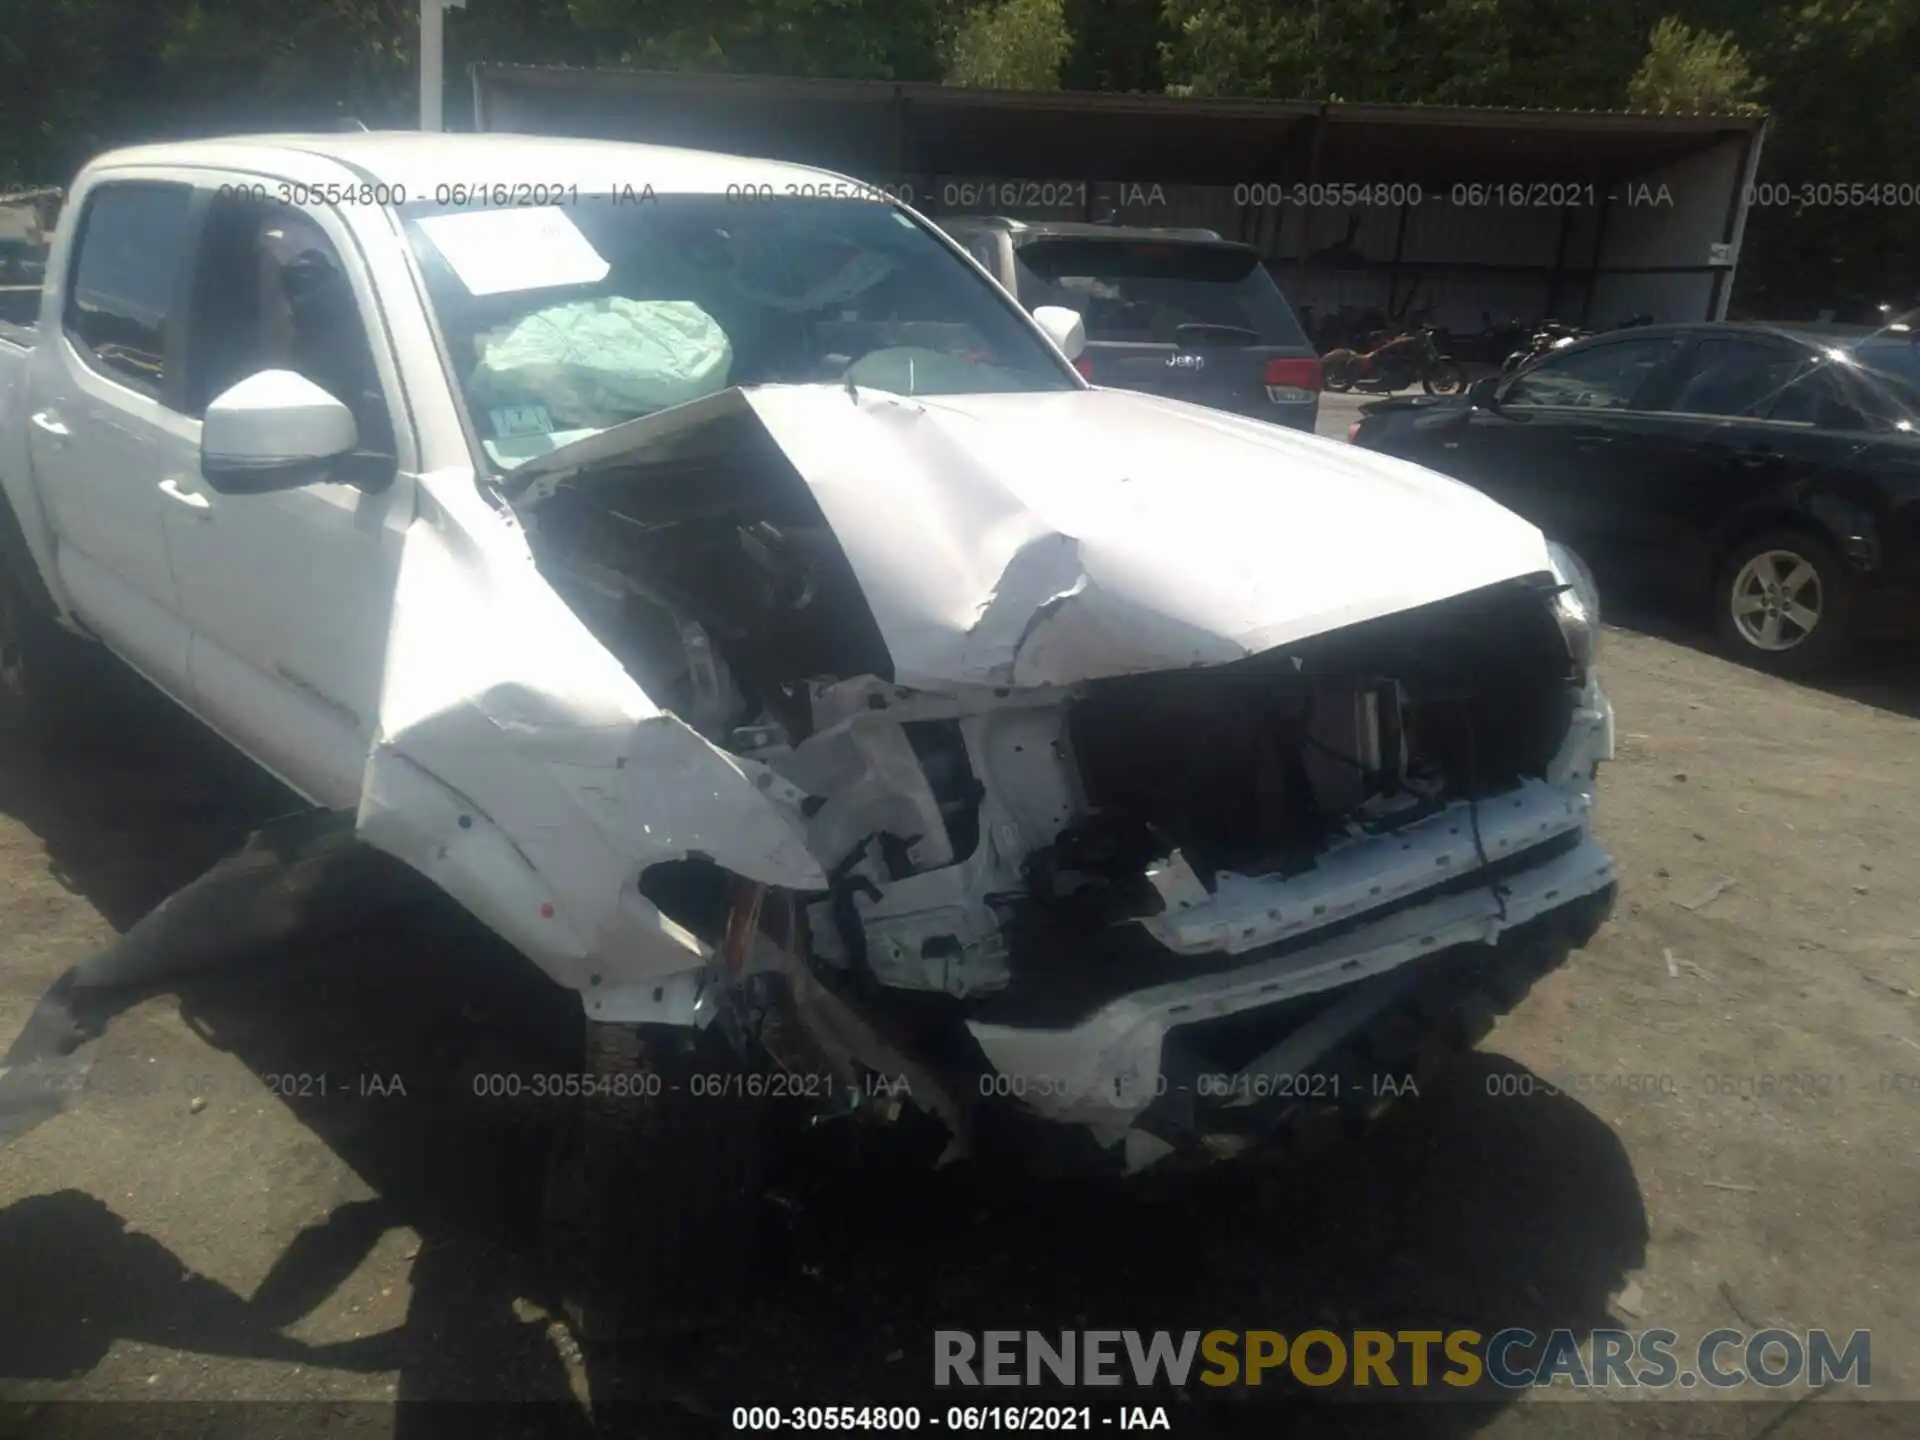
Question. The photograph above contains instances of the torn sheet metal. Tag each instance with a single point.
(1046, 539)
(1000, 540)
(521, 769)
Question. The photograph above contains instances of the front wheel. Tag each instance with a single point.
(1444, 377)
(1337, 371)
(653, 1187)
(1781, 602)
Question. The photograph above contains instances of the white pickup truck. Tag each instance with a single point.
(704, 572)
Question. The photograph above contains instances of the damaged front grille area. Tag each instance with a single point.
(1235, 771)
(1255, 769)
(1035, 856)
(1040, 846)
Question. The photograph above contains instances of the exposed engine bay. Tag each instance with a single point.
(1035, 850)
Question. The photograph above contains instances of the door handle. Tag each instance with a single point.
(46, 420)
(1592, 440)
(170, 488)
(1750, 457)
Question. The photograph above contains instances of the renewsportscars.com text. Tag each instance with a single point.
(1512, 1359)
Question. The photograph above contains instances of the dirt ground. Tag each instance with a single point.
(189, 1234)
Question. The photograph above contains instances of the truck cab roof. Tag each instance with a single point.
(420, 163)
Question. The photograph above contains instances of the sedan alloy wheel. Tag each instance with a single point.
(1777, 600)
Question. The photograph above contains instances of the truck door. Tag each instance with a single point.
(289, 594)
(106, 431)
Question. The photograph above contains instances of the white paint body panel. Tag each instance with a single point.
(1083, 534)
(400, 655)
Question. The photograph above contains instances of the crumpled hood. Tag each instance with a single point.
(1051, 538)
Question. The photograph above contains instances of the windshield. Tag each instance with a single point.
(1145, 290)
(563, 321)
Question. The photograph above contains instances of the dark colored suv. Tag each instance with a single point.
(1181, 313)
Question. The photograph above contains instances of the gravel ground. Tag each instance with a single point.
(201, 1228)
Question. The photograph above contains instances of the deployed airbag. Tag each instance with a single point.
(596, 363)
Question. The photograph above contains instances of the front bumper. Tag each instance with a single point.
(1545, 870)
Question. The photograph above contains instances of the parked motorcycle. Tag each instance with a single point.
(1394, 364)
(1492, 342)
(1349, 327)
(1551, 336)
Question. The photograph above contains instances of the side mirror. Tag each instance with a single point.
(275, 430)
(1483, 393)
(1064, 327)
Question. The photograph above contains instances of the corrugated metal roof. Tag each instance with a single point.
(940, 96)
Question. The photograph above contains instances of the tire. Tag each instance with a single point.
(1444, 378)
(1803, 571)
(1337, 372)
(652, 1199)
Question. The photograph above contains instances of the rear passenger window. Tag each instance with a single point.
(1814, 397)
(121, 290)
(1732, 376)
(121, 295)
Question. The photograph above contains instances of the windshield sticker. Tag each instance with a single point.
(497, 252)
(512, 420)
(515, 450)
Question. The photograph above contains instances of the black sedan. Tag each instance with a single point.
(1774, 475)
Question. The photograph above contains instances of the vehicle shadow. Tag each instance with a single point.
(1483, 1203)
(127, 822)
(1468, 1207)
(1882, 673)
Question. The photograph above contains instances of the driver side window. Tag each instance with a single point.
(1604, 377)
(270, 293)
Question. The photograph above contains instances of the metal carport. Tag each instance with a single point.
(1515, 213)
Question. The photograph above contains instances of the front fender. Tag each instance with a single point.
(1852, 526)
(521, 769)
(1848, 525)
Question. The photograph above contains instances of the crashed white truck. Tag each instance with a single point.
(705, 573)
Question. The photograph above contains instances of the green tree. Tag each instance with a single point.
(1459, 52)
(1689, 71)
(1012, 45)
(1117, 45)
(1286, 49)
(854, 39)
(1843, 89)
(76, 76)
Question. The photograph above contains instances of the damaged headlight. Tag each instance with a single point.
(1576, 606)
